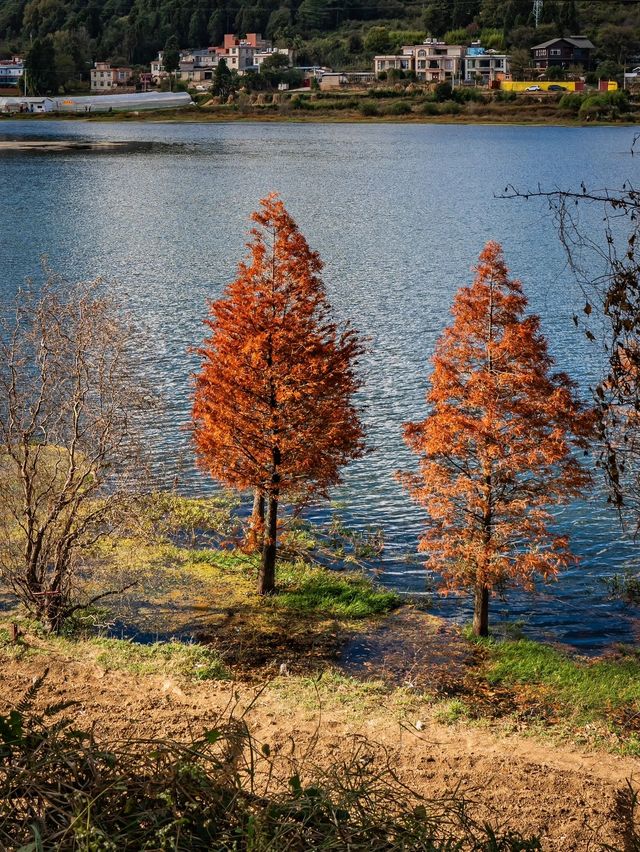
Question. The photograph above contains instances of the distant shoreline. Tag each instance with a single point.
(218, 116)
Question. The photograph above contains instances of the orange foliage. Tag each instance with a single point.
(497, 448)
(273, 406)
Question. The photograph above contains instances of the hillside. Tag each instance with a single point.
(339, 33)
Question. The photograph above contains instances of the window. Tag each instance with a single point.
(555, 52)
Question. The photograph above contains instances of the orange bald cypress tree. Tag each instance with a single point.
(273, 408)
(496, 451)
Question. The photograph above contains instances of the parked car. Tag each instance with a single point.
(533, 89)
(556, 88)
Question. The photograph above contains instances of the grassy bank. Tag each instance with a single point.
(533, 687)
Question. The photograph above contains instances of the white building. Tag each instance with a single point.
(260, 55)
(436, 62)
(11, 72)
(433, 61)
(485, 66)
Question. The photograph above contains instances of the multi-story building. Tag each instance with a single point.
(433, 61)
(392, 62)
(105, 78)
(11, 72)
(260, 55)
(157, 69)
(563, 52)
(485, 66)
(197, 66)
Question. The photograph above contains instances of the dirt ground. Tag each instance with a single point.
(574, 800)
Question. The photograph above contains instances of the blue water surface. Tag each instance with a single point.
(398, 213)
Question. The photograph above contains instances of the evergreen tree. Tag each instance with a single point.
(437, 18)
(313, 15)
(40, 67)
(223, 80)
(198, 35)
(171, 58)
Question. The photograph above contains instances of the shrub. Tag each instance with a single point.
(443, 92)
(398, 108)
(593, 107)
(571, 101)
(465, 95)
(368, 108)
(450, 108)
(429, 108)
(382, 93)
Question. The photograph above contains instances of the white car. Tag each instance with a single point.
(534, 89)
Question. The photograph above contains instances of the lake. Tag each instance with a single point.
(399, 215)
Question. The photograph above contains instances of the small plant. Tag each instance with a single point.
(450, 108)
(624, 586)
(450, 712)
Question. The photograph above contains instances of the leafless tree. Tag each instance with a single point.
(70, 468)
(606, 263)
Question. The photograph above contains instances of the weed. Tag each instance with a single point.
(450, 712)
(625, 586)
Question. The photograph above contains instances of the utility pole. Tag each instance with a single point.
(537, 12)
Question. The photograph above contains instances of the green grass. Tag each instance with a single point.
(193, 662)
(451, 711)
(582, 689)
(306, 589)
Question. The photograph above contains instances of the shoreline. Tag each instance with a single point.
(201, 117)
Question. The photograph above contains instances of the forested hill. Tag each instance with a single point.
(340, 33)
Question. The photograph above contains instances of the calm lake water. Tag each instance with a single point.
(399, 214)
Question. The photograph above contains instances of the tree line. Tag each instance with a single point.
(275, 413)
(337, 33)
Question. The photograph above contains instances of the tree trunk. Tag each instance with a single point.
(481, 611)
(255, 536)
(267, 573)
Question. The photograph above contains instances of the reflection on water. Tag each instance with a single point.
(398, 214)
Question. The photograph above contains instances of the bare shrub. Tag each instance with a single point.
(70, 451)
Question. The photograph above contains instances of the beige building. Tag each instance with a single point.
(105, 78)
(433, 61)
(436, 62)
